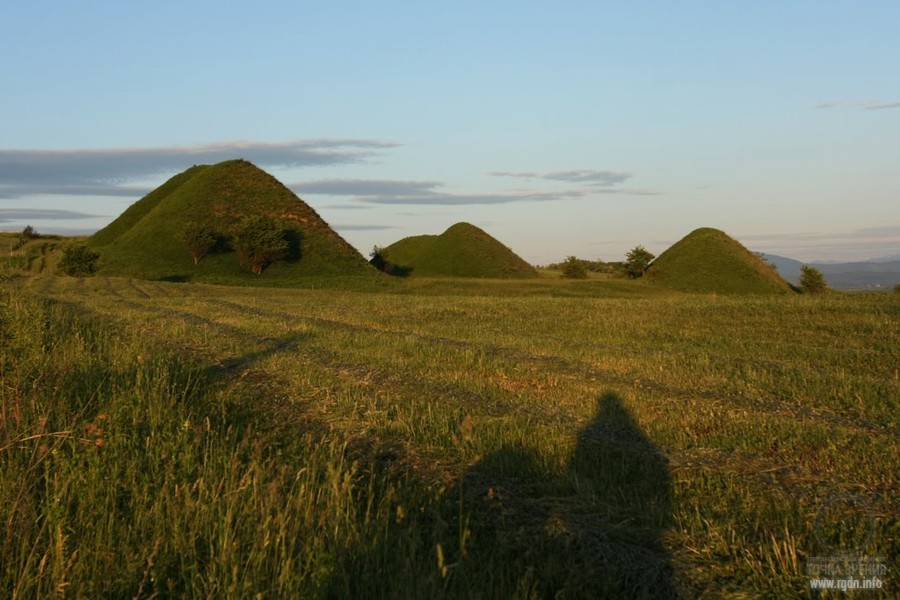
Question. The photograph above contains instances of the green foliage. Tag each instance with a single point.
(573, 268)
(199, 239)
(463, 250)
(25, 236)
(708, 260)
(637, 260)
(78, 260)
(259, 241)
(377, 259)
(591, 266)
(811, 280)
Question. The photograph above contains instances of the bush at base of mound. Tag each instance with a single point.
(462, 251)
(708, 260)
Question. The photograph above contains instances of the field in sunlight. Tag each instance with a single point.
(412, 442)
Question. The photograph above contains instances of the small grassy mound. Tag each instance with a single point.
(462, 251)
(145, 241)
(708, 260)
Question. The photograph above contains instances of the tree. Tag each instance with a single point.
(811, 280)
(573, 268)
(78, 261)
(378, 260)
(637, 260)
(259, 242)
(199, 239)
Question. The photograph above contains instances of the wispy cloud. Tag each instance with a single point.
(625, 191)
(863, 105)
(20, 190)
(348, 227)
(430, 193)
(855, 244)
(585, 176)
(441, 199)
(364, 187)
(9, 215)
(421, 193)
(345, 207)
(107, 171)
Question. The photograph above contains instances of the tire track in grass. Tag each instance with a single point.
(572, 368)
(587, 372)
(342, 370)
(762, 469)
(328, 360)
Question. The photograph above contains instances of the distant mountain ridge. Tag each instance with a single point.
(871, 274)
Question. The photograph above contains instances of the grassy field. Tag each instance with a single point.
(542, 438)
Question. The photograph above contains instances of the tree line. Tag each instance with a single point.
(634, 266)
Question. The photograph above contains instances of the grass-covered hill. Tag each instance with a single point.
(145, 241)
(462, 251)
(708, 260)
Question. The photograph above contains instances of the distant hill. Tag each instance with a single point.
(874, 274)
(145, 242)
(462, 251)
(708, 260)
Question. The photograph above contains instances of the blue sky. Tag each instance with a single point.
(561, 128)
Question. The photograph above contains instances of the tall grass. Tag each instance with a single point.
(210, 441)
(129, 472)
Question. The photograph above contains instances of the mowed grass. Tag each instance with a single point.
(425, 440)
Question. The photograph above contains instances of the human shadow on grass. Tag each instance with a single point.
(592, 530)
(519, 526)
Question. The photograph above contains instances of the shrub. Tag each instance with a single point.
(199, 239)
(378, 260)
(78, 261)
(573, 268)
(259, 242)
(811, 280)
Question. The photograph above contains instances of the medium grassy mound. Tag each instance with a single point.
(708, 260)
(462, 251)
(145, 241)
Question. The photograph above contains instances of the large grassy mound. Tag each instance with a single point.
(462, 251)
(145, 241)
(708, 260)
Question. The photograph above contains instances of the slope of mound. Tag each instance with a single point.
(137, 211)
(462, 251)
(708, 260)
(145, 241)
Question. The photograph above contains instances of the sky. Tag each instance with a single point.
(561, 128)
